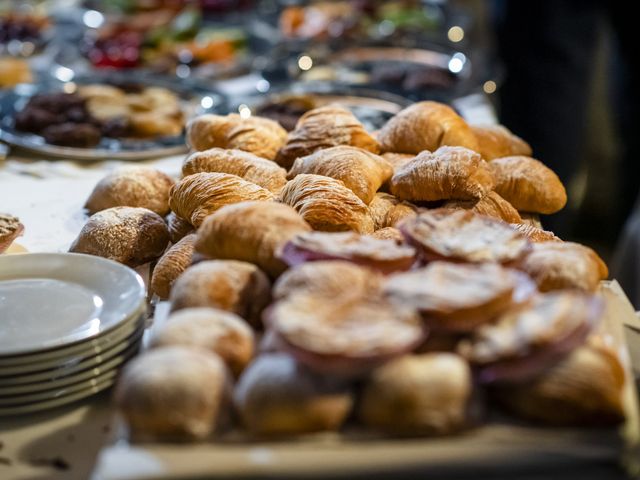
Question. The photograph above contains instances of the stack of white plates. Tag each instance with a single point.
(68, 323)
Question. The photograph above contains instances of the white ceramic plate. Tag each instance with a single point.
(66, 358)
(51, 300)
(88, 374)
(48, 404)
(62, 366)
(47, 376)
(19, 400)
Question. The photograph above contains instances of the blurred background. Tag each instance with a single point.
(560, 74)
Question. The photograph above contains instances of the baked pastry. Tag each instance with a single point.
(178, 227)
(361, 171)
(397, 160)
(238, 287)
(277, 396)
(251, 231)
(133, 236)
(326, 204)
(385, 256)
(560, 265)
(324, 127)
(464, 236)
(171, 265)
(172, 393)
(528, 184)
(426, 126)
(246, 165)
(260, 136)
(448, 173)
(198, 195)
(344, 336)
(10, 229)
(386, 210)
(491, 205)
(132, 187)
(526, 341)
(328, 279)
(454, 297)
(586, 388)
(496, 141)
(389, 233)
(217, 331)
(427, 394)
(535, 234)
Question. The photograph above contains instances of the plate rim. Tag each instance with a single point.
(135, 277)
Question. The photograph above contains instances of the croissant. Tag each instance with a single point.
(246, 165)
(426, 126)
(535, 234)
(560, 265)
(448, 173)
(327, 204)
(528, 184)
(178, 227)
(491, 205)
(238, 287)
(361, 171)
(171, 265)
(260, 136)
(387, 210)
(325, 127)
(585, 388)
(132, 187)
(198, 195)
(250, 231)
(496, 141)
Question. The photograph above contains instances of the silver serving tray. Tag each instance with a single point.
(195, 100)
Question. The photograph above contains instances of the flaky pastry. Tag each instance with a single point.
(199, 195)
(171, 265)
(448, 173)
(324, 127)
(491, 205)
(326, 204)
(386, 210)
(496, 141)
(426, 126)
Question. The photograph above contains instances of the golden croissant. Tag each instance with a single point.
(325, 127)
(387, 210)
(246, 165)
(491, 205)
(260, 136)
(198, 195)
(250, 231)
(448, 173)
(361, 171)
(529, 185)
(496, 141)
(426, 126)
(327, 204)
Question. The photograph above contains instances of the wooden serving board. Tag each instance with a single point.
(502, 447)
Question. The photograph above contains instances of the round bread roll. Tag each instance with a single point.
(171, 265)
(277, 396)
(132, 187)
(427, 394)
(172, 393)
(238, 287)
(133, 236)
(217, 331)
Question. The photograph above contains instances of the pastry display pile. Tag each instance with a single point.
(331, 278)
(83, 118)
